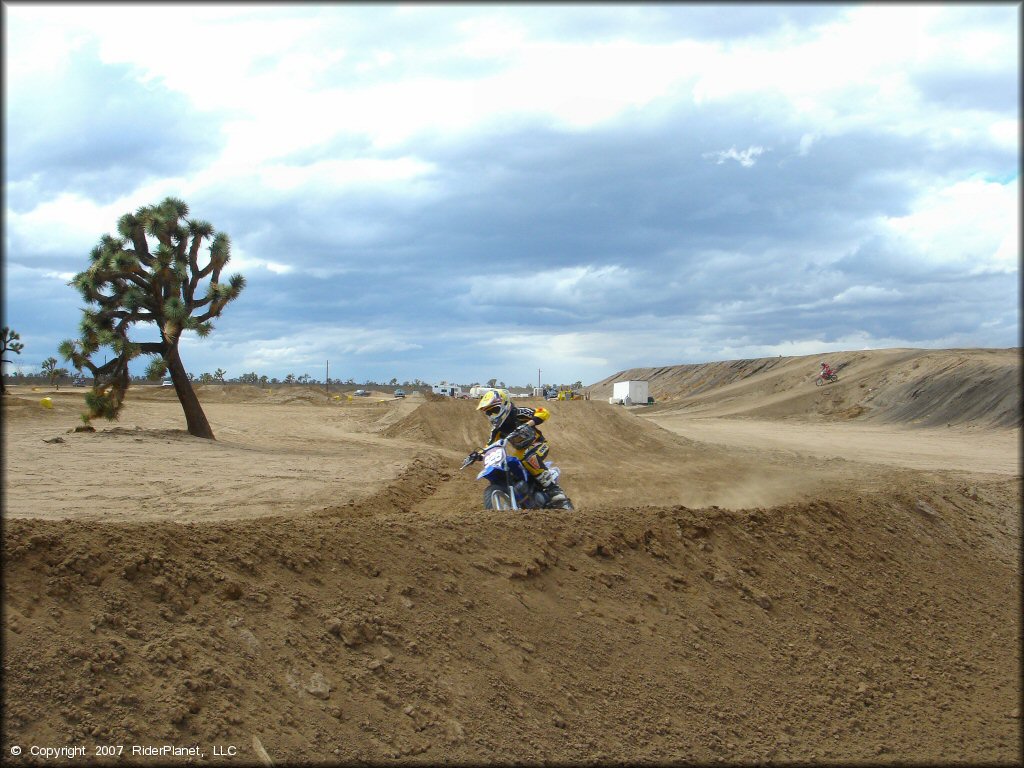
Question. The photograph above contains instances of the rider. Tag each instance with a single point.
(825, 370)
(506, 418)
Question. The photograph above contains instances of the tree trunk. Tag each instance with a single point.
(198, 426)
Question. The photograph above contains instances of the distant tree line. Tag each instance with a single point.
(49, 373)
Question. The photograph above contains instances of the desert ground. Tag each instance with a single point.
(758, 571)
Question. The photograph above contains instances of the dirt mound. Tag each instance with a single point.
(442, 422)
(596, 445)
(904, 386)
(803, 633)
(21, 403)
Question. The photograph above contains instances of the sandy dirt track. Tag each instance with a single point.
(321, 578)
(992, 450)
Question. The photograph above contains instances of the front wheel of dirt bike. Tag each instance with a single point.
(496, 497)
(833, 377)
(819, 381)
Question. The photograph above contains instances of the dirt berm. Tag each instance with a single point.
(704, 604)
(916, 387)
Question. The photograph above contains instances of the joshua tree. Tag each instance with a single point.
(10, 344)
(52, 372)
(127, 283)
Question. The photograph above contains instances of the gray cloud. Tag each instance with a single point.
(673, 230)
(980, 89)
(94, 129)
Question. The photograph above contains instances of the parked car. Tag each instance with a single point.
(166, 383)
(362, 393)
(79, 382)
(399, 393)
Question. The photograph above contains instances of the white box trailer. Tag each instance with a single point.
(629, 393)
(448, 390)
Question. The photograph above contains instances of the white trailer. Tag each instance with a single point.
(629, 393)
(448, 390)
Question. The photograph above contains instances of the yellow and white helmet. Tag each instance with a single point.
(496, 405)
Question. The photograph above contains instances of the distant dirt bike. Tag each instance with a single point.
(822, 380)
(511, 486)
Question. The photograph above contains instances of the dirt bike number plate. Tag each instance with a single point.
(493, 457)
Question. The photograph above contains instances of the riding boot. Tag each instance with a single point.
(555, 494)
(554, 491)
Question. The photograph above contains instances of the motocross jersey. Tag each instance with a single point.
(516, 417)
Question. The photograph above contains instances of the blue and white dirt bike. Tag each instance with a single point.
(510, 485)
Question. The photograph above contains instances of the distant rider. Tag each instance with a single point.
(506, 418)
(826, 372)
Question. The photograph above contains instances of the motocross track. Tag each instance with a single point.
(757, 571)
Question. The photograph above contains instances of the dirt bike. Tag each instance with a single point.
(510, 485)
(823, 379)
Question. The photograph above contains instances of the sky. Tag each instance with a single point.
(460, 192)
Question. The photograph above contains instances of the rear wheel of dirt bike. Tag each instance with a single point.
(819, 381)
(496, 497)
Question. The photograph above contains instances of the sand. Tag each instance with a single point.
(756, 572)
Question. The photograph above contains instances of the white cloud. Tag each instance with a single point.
(341, 173)
(857, 72)
(569, 287)
(859, 294)
(746, 157)
(68, 223)
(565, 357)
(582, 284)
(973, 223)
(1006, 134)
(72, 224)
(806, 142)
(305, 349)
(242, 261)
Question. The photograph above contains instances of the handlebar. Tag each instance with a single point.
(473, 456)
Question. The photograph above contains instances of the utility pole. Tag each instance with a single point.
(328, 377)
(538, 379)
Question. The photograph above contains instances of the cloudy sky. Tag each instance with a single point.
(460, 192)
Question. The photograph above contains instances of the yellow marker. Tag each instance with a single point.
(46, 402)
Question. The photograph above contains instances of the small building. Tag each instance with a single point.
(630, 393)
